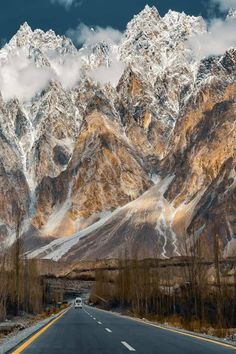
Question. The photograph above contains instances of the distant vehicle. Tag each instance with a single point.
(78, 303)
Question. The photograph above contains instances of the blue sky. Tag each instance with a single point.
(45, 14)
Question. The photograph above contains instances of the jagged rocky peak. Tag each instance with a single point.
(218, 70)
(183, 25)
(100, 55)
(228, 61)
(88, 150)
(147, 13)
(146, 24)
(36, 43)
(157, 48)
(149, 18)
(24, 33)
(151, 26)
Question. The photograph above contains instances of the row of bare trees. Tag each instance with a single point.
(194, 292)
(22, 288)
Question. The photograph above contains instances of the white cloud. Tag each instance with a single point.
(89, 37)
(66, 3)
(20, 78)
(110, 74)
(225, 5)
(83, 35)
(67, 69)
(219, 37)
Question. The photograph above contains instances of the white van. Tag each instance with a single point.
(78, 303)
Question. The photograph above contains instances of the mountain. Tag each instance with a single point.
(96, 166)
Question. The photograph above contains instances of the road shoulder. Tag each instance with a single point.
(180, 331)
(24, 335)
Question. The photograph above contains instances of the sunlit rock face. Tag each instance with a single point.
(203, 154)
(97, 167)
(204, 127)
(104, 173)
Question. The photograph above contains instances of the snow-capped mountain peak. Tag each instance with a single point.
(181, 24)
(24, 31)
(30, 41)
(73, 147)
(148, 12)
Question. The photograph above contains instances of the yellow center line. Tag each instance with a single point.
(36, 335)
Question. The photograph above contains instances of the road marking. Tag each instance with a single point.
(108, 330)
(128, 347)
(94, 319)
(195, 336)
(99, 322)
(37, 334)
(199, 337)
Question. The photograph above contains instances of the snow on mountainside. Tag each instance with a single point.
(156, 49)
(156, 46)
(84, 132)
(34, 42)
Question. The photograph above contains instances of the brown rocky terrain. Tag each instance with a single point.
(193, 197)
(145, 166)
(104, 173)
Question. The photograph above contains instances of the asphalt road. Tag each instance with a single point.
(92, 331)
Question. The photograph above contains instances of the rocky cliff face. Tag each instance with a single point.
(146, 165)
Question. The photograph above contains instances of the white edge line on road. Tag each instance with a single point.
(99, 322)
(108, 330)
(172, 329)
(94, 319)
(128, 347)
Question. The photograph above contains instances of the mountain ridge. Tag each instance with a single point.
(85, 164)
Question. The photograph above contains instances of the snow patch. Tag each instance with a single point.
(58, 248)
